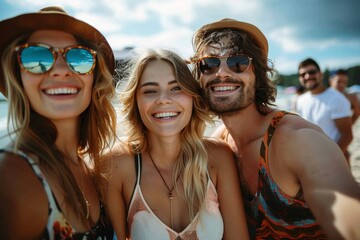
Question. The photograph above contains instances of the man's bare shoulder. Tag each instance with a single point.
(297, 141)
(293, 124)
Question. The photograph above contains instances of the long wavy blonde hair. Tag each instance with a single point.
(37, 134)
(192, 161)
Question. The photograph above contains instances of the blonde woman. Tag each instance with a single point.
(166, 181)
(58, 81)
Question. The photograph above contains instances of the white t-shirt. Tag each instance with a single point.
(323, 108)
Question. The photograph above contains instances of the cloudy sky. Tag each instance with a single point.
(327, 30)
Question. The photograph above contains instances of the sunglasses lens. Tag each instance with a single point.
(238, 63)
(310, 72)
(209, 65)
(80, 60)
(36, 59)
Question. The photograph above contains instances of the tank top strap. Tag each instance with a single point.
(270, 132)
(138, 165)
(136, 189)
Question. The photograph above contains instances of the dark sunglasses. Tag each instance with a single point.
(236, 63)
(310, 72)
(40, 58)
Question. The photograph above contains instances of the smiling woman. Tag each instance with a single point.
(62, 120)
(185, 186)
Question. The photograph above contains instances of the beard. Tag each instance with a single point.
(313, 86)
(229, 105)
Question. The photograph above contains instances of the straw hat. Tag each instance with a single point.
(51, 18)
(252, 30)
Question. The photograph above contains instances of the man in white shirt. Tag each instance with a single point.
(324, 106)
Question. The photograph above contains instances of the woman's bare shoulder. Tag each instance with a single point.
(119, 160)
(218, 151)
(216, 144)
(22, 189)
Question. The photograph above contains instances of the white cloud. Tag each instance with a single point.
(285, 37)
(75, 4)
(169, 9)
(103, 23)
(126, 11)
(171, 24)
(340, 62)
(285, 65)
(179, 39)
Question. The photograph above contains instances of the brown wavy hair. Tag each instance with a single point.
(265, 74)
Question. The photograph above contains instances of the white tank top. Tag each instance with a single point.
(144, 224)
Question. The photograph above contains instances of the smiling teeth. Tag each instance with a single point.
(223, 89)
(56, 91)
(166, 115)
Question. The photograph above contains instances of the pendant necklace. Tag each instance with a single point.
(171, 190)
(82, 191)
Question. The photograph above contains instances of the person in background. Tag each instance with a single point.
(165, 181)
(57, 76)
(295, 180)
(324, 106)
(299, 91)
(339, 81)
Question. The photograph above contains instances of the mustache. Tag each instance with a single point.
(310, 79)
(217, 80)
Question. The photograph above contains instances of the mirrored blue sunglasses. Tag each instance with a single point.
(39, 58)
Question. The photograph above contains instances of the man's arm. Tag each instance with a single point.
(346, 136)
(328, 185)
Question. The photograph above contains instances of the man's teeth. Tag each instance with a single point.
(56, 91)
(224, 88)
(166, 115)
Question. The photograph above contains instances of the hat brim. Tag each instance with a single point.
(15, 27)
(229, 23)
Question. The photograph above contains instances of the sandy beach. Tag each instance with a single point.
(354, 150)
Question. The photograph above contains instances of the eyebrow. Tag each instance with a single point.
(155, 83)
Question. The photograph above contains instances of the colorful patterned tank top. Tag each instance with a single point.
(57, 225)
(271, 213)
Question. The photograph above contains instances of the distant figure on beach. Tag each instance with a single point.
(324, 106)
(339, 81)
(295, 180)
(63, 119)
(299, 90)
